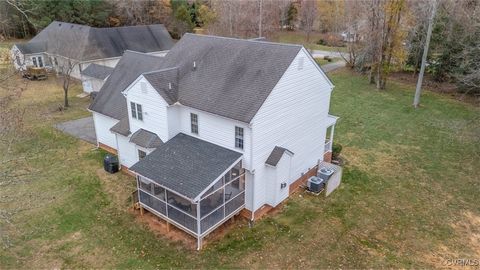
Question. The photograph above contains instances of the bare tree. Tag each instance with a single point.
(353, 24)
(242, 18)
(418, 91)
(308, 14)
(67, 44)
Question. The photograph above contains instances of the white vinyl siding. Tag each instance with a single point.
(127, 152)
(91, 84)
(102, 125)
(215, 129)
(153, 109)
(293, 116)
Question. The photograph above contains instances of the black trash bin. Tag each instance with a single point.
(110, 163)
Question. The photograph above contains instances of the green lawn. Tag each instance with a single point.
(409, 197)
(299, 37)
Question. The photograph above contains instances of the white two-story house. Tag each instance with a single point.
(215, 127)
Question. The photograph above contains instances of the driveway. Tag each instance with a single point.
(333, 66)
(81, 128)
(319, 54)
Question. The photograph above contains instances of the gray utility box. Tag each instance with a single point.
(315, 184)
(325, 173)
(110, 163)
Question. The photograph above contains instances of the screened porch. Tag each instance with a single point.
(198, 216)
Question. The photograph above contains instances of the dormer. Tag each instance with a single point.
(148, 98)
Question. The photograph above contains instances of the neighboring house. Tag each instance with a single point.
(354, 32)
(61, 43)
(215, 127)
(94, 76)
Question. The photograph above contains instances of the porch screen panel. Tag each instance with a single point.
(211, 202)
(181, 204)
(234, 188)
(152, 202)
(212, 219)
(234, 204)
(182, 218)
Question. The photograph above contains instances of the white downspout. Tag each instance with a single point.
(252, 173)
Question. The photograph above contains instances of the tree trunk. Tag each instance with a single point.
(66, 85)
(65, 91)
(418, 90)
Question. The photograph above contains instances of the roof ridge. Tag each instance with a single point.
(247, 40)
(114, 27)
(143, 53)
(159, 70)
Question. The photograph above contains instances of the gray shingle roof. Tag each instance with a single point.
(232, 77)
(145, 139)
(186, 165)
(97, 71)
(110, 100)
(276, 155)
(122, 127)
(84, 43)
(32, 47)
(161, 80)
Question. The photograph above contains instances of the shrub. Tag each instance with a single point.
(336, 149)
(321, 42)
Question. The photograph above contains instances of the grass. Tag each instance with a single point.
(409, 196)
(298, 37)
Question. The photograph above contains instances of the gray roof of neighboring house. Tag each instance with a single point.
(186, 165)
(110, 100)
(231, 78)
(122, 127)
(32, 47)
(145, 139)
(276, 155)
(81, 42)
(97, 71)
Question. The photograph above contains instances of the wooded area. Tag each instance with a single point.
(382, 36)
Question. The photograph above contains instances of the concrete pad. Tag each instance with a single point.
(83, 129)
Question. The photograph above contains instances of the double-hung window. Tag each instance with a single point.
(194, 123)
(141, 154)
(136, 111)
(239, 137)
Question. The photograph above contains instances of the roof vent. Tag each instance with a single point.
(169, 86)
(194, 65)
(143, 86)
(301, 60)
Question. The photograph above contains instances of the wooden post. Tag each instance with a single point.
(199, 242)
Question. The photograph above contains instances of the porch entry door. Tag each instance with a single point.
(282, 178)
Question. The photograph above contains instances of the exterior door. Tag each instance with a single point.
(282, 178)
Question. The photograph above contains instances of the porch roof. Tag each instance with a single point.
(186, 165)
(97, 71)
(122, 127)
(145, 138)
